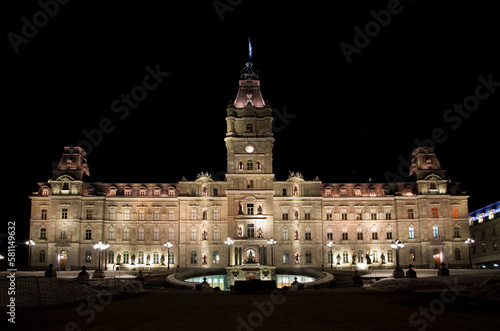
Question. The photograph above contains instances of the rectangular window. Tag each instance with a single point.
(411, 232)
(89, 214)
(156, 215)
(388, 214)
(216, 234)
(142, 212)
(345, 235)
(434, 212)
(126, 257)
(193, 214)
(111, 234)
(283, 192)
(456, 232)
(285, 234)
(193, 234)
(140, 258)
(389, 233)
(216, 192)
(156, 257)
(249, 208)
(345, 257)
(308, 234)
(88, 234)
(111, 257)
(390, 256)
(360, 234)
(359, 214)
(112, 214)
(284, 215)
(126, 234)
(410, 213)
(216, 214)
(307, 214)
(43, 233)
(43, 216)
(156, 234)
(329, 215)
(126, 215)
(250, 183)
(64, 213)
(457, 254)
(455, 212)
(329, 234)
(344, 214)
(373, 213)
(435, 232)
(374, 235)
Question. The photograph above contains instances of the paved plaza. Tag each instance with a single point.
(323, 309)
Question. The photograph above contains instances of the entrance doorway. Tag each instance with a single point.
(437, 258)
(63, 257)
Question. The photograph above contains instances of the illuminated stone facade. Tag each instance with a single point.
(70, 213)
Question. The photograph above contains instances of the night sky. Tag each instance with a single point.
(355, 88)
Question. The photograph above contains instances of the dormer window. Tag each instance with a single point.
(142, 191)
(90, 190)
(171, 191)
(343, 191)
(357, 191)
(127, 191)
(112, 191)
(249, 127)
(45, 190)
(328, 191)
(157, 191)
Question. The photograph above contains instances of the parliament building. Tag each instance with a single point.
(212, 223)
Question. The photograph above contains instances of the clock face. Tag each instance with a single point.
(249, 149)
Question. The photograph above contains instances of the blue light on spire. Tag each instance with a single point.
(250, 50)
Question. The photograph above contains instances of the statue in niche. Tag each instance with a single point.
(382, 258)
(297, 258)
(251, 258)
(259, 210)
(204, 259)
(240, 231)
(118, 259)
(295, 190)
(296, 235)
(204, 235)
(368, 259)
(260, 233)
(240, 209)
(296, 214)
(204, 214)
(204, 190)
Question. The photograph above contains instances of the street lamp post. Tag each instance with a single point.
(469, 243)
(30, 244)
(397, 245)
(169, 245)
(100, 247)
(228, 242)
(331, 244)
(272, 242)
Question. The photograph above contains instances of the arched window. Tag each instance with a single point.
(249, 127)
(328, 191)
(343, 191)
(112, 191)
(171, 191)
(88, 256)
(215, 257)
(286, 257)
(111, 257)
(308, 257)
(127, 191)
(157, 191)
(193, 257)
(142, 191)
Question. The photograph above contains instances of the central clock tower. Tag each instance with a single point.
(249, 138)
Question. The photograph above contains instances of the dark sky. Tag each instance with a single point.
(346, 121)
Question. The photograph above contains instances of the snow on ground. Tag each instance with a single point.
(476, 283)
